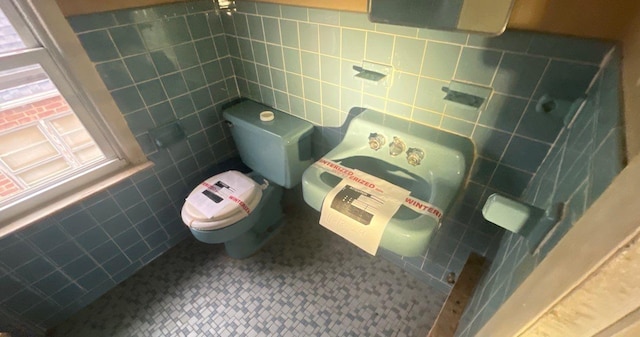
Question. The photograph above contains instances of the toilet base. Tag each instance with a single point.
(248, 235)
(250, 242)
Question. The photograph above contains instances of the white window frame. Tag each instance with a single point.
(52, 44)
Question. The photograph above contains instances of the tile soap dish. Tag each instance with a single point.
(168, 134)
(377, 73)
(466, 95)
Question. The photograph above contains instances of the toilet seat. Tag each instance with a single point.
(226, 216)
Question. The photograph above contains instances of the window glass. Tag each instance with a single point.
(41, 138)
(9, 38)
(61, 134)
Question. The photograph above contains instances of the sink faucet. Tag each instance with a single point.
(414, 156)
(376, 140)
(397, 147)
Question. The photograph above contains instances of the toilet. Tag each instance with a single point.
(243, 210)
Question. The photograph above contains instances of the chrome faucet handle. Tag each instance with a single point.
(414, 156)
(376, 141)
(397, 147)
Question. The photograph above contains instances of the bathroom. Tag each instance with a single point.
(184, 62)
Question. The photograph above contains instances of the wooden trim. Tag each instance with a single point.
(631, 89)
(593, 242)
(359, 6)
(79, 7)
(628, 326)
(597, 18)
(607, 296)
(449, 317)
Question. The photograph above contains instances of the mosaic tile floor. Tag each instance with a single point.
(306, 282)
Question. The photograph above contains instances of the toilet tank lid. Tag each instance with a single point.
(247, 114)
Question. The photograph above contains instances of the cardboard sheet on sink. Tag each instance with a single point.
(359, 208)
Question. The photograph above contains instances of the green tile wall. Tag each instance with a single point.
(181, 62)
(307, 71)
(161, 64)
(581, 164)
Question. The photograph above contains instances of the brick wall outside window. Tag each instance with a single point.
(26, 114)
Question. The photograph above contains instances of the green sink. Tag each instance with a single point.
(437, 179)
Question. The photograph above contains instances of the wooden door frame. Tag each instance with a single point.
(606, 235)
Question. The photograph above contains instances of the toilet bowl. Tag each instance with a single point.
(278, 149)
(228, 215)
(242, 234)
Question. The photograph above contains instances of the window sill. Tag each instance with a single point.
(74, 197)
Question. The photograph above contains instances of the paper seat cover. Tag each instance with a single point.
(212, 195)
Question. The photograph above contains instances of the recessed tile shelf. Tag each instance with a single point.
(167, 134)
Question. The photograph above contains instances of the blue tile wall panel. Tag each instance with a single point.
(60, 264)
(581, 164)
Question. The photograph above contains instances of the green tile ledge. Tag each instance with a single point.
(20, 222)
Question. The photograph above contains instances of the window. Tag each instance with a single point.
(41, 138)
(54, 140)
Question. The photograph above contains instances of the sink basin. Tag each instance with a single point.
(436, 180)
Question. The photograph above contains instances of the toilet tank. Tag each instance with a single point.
(279, 150)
